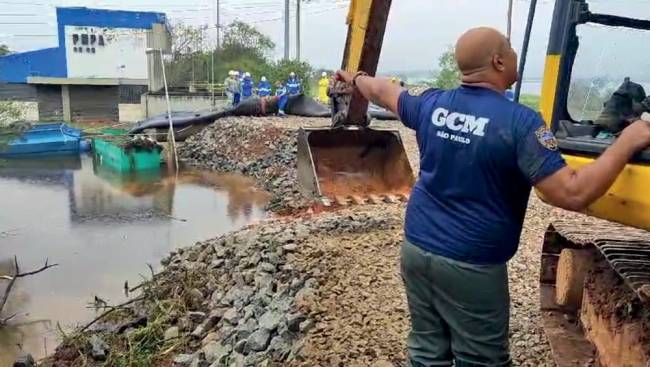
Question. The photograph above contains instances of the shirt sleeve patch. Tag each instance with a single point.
(546, 138)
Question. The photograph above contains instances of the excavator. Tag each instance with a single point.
(595, 267)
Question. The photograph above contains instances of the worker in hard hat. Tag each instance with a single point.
(293, 84)
(236, 88)
(247, 86)
(281, 92)
(263, 87)
(231, 84)
(226, 86)
(323, 84)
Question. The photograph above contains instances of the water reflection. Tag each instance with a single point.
(102, 227)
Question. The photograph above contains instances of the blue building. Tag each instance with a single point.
(104, 61)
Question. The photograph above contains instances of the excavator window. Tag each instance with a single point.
(606, 58)
(609, 82)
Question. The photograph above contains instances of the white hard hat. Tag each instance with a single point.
(231, 72)
(247, 74)
(324, 74)
(292, 74)
(263, 78)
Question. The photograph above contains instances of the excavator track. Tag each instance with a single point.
(595, 293)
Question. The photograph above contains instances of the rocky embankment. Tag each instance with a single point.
(308, 290)
(248, 298)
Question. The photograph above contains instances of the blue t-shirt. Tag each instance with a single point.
(480, 154)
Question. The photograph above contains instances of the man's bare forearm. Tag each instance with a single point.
(594, 179)
(585, 185)
(379, 91)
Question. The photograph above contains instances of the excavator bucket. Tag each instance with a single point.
(353, 165)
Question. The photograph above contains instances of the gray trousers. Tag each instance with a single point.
(459, 311)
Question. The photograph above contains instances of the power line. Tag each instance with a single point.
(255, 21)
(24, 23)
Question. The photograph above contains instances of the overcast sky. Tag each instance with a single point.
(418, 30)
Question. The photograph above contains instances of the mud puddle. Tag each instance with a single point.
(102, 228)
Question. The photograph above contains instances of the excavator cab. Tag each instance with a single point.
(351, 162)
(595, 274)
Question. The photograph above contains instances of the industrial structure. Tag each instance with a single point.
(105, 60)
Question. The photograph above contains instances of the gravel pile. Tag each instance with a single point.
(254, 147)
(245, 307)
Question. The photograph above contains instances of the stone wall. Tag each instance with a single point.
(155, 104)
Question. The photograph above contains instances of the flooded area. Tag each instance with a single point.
(102, 228)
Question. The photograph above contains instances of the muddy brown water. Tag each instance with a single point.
(102, 228)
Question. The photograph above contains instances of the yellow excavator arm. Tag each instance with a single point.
(366, 26)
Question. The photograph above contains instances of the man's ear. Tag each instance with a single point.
(497, 62)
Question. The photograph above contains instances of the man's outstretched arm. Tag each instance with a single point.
(576, 189)
(378, 91)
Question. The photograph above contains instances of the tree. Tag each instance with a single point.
(187, 39)
(448, 75)
(279, 71)
(10, 112)
(4, 50)
(188, 46)
(244, 48)
(241, 38)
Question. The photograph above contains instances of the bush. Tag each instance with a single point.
(10, 112)
(530, 100)
(279, 70)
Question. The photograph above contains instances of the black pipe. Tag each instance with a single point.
(524, 48)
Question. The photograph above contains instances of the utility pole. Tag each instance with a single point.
(286, 29)
(218, 26)
(298, 30)
(212, 51)
(509, 20)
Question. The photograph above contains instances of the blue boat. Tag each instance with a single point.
(44, 139)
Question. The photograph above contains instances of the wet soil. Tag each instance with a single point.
(614, 300)
(353, 171)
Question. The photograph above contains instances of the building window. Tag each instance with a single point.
(84, 39)
(92, 50)
(75, 39)
(101, 40)
(93, 39)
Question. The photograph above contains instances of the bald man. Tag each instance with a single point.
(480, 155)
